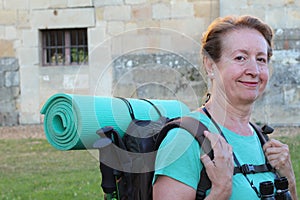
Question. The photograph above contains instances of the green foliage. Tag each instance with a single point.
(78, 55)
(32, 169)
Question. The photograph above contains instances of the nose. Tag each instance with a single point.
(253, 67)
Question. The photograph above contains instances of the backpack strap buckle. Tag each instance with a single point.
(248, 169)
(252, 169)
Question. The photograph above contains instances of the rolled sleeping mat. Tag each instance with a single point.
(71, 121)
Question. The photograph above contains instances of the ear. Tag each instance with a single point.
(209, 65)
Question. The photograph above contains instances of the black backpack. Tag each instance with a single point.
(127, 164)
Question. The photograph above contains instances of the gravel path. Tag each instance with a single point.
(22, 131)
(37, 131)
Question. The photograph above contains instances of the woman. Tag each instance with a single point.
(236, 52)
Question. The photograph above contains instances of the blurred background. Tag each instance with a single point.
(132, 48)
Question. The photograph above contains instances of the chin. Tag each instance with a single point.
(250, 99)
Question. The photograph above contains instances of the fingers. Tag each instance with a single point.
(207, 162)
(220, 169)
(278, 155)
(222, 150)
(272, 143)
(275, 149)
(215, 140)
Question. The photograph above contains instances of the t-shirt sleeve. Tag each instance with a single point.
(179, 158)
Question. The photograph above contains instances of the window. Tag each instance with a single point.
(64, 47)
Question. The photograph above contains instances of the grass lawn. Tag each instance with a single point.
(32, 169)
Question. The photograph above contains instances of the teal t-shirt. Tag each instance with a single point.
(179, 158)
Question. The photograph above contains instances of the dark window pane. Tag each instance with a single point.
(65, 46)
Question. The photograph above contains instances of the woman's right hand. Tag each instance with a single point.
(220, 169)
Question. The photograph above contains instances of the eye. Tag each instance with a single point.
(262, 60)
(240, 58)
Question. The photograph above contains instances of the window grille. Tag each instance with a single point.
(64, 47)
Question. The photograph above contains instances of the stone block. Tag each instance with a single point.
(16, 4)
(10, 33)
(7, 106)
(75, 82)
(29, 98)
(292, 34)
(182, 10)
(9, 119)
(99, 15)
(29, 38)
(100, 3)
(7, 48)
(12, 78)
(8, 17)
(115, 27)
(119, 13)
(80, 3)
(24, 21)
(63, 18)
(8, 64)
(38, 4)
(265, 4)
(58, 3)
(29, 118)
(203, 9)
(291, 95)
(131, 26)
(5, 94)
(145, 24)
(141, 12)
(100, 75)
(187, 28)
(276, 18)
(26, 60)
(135, 1)
(294, 17)
(96, 36)
(161, 11)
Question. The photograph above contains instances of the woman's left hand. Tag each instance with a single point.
(278, 155)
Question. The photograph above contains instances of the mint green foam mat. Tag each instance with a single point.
(71, 121)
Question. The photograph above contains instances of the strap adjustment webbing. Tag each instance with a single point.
(252, 169)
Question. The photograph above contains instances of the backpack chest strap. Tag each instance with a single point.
(252, 169)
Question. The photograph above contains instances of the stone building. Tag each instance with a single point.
(132, 48)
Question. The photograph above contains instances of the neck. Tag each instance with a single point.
(235, 118)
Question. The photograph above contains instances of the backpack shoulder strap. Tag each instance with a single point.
(193, 126)
(262, 132)
(196, 129)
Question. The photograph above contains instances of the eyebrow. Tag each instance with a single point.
(246, 52)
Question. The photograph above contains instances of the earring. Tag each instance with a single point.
(212, 74)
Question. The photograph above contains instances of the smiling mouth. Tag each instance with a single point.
(249, 83)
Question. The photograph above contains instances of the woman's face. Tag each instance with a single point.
(242, 72)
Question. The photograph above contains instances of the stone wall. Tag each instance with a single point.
(159, 76)
(9, 91)
(281, 103)
(139, 48)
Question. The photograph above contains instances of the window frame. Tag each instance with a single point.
(64, 47)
